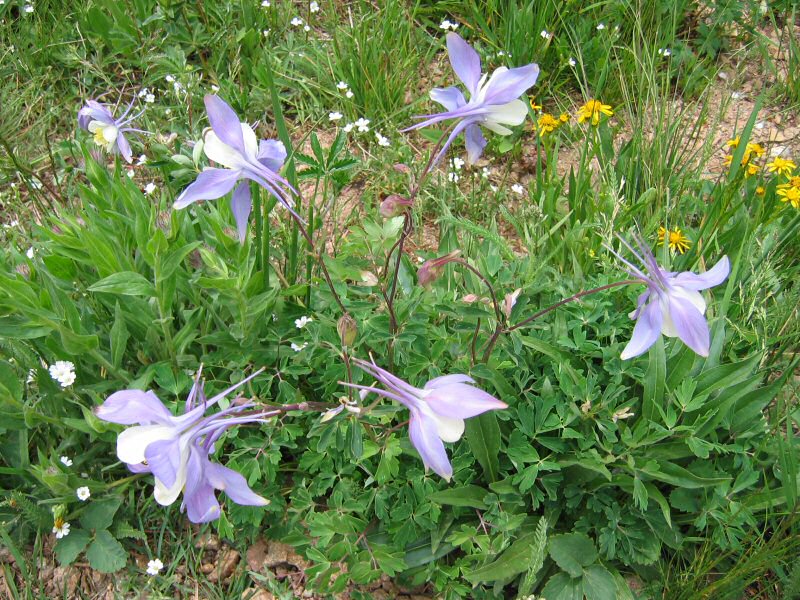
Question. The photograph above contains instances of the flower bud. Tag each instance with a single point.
(348, 330)
(432, 269)
(394, 206)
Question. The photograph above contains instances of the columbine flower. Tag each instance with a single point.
(60, 528)
(672, 304)
(782, 166)
(63, 371)
(302, 322)
(154, 566)
(674, 238)
(592, 110)
(437, 411)
(66, 461)
(109, 133)
(176, 449)
(83, 493)
(493, 104)
(233, 145)
(362, 124)
(313, 7)
(334, 116)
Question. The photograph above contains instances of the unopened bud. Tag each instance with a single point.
(394, 206)
(348, 330)
(432, 269)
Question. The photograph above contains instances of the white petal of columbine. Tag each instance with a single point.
(66, 461)
(513, 113)
(132, 442)
(449, 429)
(696, 298)
(83, 493)
(229, 157)
(334, 116)
(154, 566)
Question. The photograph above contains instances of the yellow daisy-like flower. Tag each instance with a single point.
(753, 148)
(547, 124)
(564, 117)
(734, 143)
(793, 182)
(675, 238)
(728, 160)
(752, 169)
(592, 110)
(782, 166)
(760, 191)
(533, 104)
(791, 195)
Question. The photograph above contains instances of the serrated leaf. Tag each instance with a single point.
(572, 552)
(100, 514)
(68, 548)
(106, 554)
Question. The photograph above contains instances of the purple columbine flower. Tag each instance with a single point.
(233, 144)
(176, 449)
(437, 411)
(109, 133)
(672, 303)
(493, 104)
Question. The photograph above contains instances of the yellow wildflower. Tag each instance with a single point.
(782, 166)
(760, 191)
(793, 182)
(734, 143)
(675, 238)
(533, 104)
(547, 124)
(752, 169)
(753, 148)
(728, 160)
(592, 110)
(791, 195)
(564, 117)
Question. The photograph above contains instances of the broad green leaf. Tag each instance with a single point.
(469, 495)
(126, 283)
(69, 547)
(483, 437)
(106, 554)
(100, 513)
(599, 584)
(654, 380)
(119, 336)
(513, 561)
(562, 587)
(572, 552)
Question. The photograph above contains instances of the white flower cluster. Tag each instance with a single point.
(63, 371)
(154, 567)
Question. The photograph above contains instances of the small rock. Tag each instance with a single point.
(226, 563)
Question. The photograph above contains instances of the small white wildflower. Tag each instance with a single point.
(517, 189)
(302, 322)
(621, 413)
(349, 94)
(342, 85)
(382, 140)
(83, 493)
(493, 187)
(30, 252)
(601, 26)
(453, 176)
(313, 7)
(169, 79)
(458, 163)
(759, 125)
(143, 92)
(178, 87)
(501, 53)
(348, 128)
(362, 124)
(546, 34)
(28, 8)
(735, 96)
(150, 98)
(150, 188)
(168, 111)
(297, 348)
(274, 317)
(485, 172)
(296, 22)
(265, 33)
(447, 25)
(154, 566)
(266, 4)
(11, 224)
(66, 461)
(572, 62)
(63, 371)
(420, 259)
(62, 531)
(31, 376)
(306, 28)
(131, 173)
(334, 116)
(142, 159)
(214, 88)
